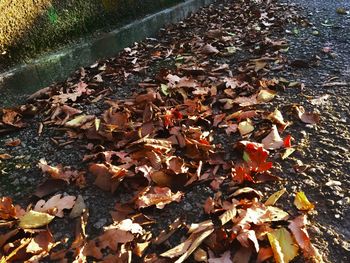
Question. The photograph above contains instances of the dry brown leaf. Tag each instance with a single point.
(307, 117)
(185, 249)
(7, 209)
(273, 140)
(55, 205)
(209, 50)
(247, 236)
(298, 228)
(13, 142)
(108, 176)
(5, 156)
(58, 172)
(158, 196)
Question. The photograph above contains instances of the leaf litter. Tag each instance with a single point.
(159, 142)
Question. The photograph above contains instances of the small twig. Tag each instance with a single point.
(335, 84)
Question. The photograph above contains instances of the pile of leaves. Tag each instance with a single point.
(159, 142)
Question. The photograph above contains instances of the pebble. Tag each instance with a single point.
(187, 207)
(100, 223)
(333, 182)
(346, 200)
(337, 216)
(330, 202)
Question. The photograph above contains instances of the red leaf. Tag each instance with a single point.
(287, 142)
(242, 174)
(257, 158)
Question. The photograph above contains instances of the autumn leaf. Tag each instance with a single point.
(55, 205)
(283, 245)
(34, 219)
(302, 203)
(257, 157)
(245, 127)
(108, 176)
(247, 236)
(58, 172)
(273, 140)
(7, 209)
(266, 95)
(185, 249)
(241, 174)
(275, 196)
(307, 117)
(158, 196)
(298, 228)
(13, 142)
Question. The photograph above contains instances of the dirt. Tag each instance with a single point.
(317, 54)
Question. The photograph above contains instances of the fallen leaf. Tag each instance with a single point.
(185, 249)
(283, 245)
(302, 203)
(275, 196)
(78, 208)
(209, 50)
(228, 215)
(55, 205)
(288, 152)
(245, 127)
(200, 255)
(266, 95)
(298, 228)
(34, 219)
(5, 156)
(13, 142)
(307, 117)
(158, 196)
(264, 254)
(79, 121)
(248, 235)
(273, 140)
(108, 176)
(7, 209)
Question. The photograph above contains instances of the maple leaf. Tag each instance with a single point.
(256, 158)
(241, 174)
(55, 205)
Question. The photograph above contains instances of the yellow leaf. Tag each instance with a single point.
(283, 245)
(274, 197)
(245, 127)
(287, 153)
(302, 203)
(33, 219)
(266, 95)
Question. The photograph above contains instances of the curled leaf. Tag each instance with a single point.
(298, 228)
(275, 196)
(283, 245)
(302, 203)
(273, 140)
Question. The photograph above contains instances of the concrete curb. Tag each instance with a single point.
(27, 78)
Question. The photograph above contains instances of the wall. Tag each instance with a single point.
(30, 27)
